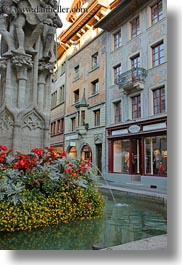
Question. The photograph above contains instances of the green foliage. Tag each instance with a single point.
(45, 188)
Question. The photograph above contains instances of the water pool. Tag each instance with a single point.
(129, 219)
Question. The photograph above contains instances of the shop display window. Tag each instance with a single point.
(141, 155)
(121, 156)
(156, 155)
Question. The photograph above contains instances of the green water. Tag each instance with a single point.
(127, 220)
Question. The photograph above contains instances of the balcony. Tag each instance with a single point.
(132, 80)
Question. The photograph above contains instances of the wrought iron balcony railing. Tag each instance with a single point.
(134, 78)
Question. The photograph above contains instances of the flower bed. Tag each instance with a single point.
(44, 188)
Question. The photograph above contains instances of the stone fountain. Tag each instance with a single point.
(28, 54)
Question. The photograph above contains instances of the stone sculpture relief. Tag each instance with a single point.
(6, 121)
(32, 121)
(21, 29)
(28, 54)
(22, 60)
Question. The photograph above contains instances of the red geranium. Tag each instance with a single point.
(3, 148)
(2, 157)
(50, 149)
(38, 151)
(63, 154)
(21, 164)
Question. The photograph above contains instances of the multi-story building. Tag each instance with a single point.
(136, 93)
(84, 48)
(58, 103)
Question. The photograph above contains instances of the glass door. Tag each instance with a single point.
(135, 156)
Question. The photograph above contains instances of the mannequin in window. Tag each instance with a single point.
(156, 160)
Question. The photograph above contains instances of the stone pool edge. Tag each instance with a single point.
(150, 243)
(157, 196)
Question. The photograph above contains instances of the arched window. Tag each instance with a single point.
(86, 153)
(72, 151)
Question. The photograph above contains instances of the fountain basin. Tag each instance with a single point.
(128, 219)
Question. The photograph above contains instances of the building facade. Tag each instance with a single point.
(136, 93)
(58, 104)
(115, 90)
(84, 51)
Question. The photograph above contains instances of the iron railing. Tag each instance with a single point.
(136, 74)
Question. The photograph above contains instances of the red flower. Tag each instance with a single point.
(2, 157)
(3, 148)
(74, 174)
(89, 163)
(38, 151)
(22, 164)
(63, 154)
(83, 167)
(51, 148)
(68, 170)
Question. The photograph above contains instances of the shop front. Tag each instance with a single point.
(138, 149)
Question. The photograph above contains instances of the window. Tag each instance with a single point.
(86, 153)
(76, 96)
(158, 54)
(117, 112)
(117, 40)
(77, 70)
(54, 99)
(136, 107)
(135, 64)
(73, 124)
(72, 152)
(53, 128)
(82, 117)
(117, 72)
(156, 12)
(60, 125)
(95, 87)
(135, 27)
(97, 117)
(61, 94)
(95, 60)
(156, 155)
(121, 156)
(135, 61)
(58, 129)
(159, 100)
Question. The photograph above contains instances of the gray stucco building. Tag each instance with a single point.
(136, 93)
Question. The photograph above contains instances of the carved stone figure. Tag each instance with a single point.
(48, 37)
(7, 18)
(28, 29)
(46, 21)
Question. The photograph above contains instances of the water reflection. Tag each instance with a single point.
(134, 219)
(126, 220)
